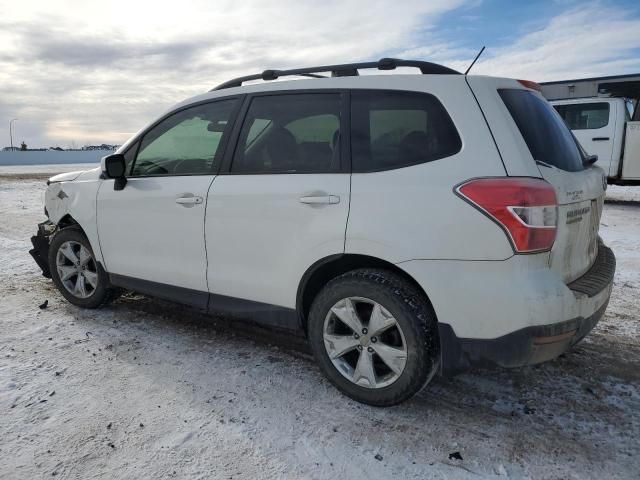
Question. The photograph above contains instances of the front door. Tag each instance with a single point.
(153, 229)
(283, 203)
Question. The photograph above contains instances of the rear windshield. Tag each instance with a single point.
(548, 138)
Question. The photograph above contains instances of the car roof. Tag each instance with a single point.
(395, 81)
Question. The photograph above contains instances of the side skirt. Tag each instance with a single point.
(237, 308)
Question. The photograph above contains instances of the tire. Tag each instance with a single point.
(97, 290)
(414, 335)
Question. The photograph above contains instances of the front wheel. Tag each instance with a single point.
(75, 271)
(374, 336)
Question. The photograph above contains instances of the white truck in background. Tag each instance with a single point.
(603, 126)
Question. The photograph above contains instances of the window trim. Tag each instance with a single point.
(404, 92)
(345, 121)
(565, 105)
(136, 142)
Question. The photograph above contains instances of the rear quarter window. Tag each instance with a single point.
(543, 130)
(393, 129)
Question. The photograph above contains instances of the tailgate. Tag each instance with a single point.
(580, 200)
(534, 140)
(559, 159)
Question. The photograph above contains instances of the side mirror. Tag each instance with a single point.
(114, 166)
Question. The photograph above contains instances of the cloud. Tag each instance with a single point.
(88, 71)
(87, 52)
(95, 71)
(590, 40)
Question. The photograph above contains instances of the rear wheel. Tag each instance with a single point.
(75, 271)
(374, 336)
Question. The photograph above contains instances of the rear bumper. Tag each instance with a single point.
(537, 343)
(528, 346)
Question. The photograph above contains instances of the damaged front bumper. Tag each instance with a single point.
(40, 250)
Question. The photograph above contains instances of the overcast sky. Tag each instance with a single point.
(83, 72)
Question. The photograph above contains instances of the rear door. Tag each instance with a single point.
(579, 189)
(593, 124)
(282, 202)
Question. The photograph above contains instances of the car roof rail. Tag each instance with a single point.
(343, 70)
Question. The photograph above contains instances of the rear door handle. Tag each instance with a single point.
(320, 199)
(600, 139)
(189, 201)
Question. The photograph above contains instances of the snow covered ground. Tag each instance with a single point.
(147, 389)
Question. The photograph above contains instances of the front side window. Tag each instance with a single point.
(186, 143)
(547, 136)
(292, 133)
(584, 116)
(397, 129)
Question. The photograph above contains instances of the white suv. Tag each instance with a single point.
(408, 224)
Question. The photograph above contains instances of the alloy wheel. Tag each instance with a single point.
(365, 342)
(77, 269)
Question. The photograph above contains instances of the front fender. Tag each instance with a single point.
(76, 199)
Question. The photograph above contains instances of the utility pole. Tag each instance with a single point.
(11, 132)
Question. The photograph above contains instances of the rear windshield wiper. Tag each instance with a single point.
(544, 164)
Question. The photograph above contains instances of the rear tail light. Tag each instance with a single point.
(525, 208)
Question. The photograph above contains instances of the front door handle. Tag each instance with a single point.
(320, 199)
(189, 201)
(600, 139)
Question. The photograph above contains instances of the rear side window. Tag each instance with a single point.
(584, 116)
(391, 129)
(545, 133)
(290, 133)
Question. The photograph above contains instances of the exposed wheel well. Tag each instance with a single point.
(321, 272)
(69, 222)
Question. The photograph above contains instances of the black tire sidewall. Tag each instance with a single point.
(102, 291)
(414, 316)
